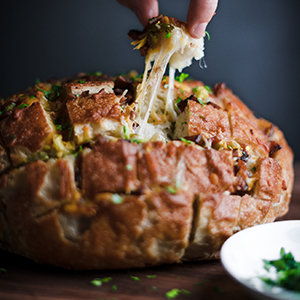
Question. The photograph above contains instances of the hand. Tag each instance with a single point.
(199, 14)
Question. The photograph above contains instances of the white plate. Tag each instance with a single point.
(242, 256)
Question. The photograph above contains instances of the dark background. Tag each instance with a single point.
(254, 49)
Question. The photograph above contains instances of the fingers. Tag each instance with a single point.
(199, 14)
(144, 9)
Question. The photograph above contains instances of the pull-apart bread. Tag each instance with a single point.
(136, 171)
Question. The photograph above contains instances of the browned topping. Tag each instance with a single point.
(274, 147)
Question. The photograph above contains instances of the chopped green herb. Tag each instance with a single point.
(168, 34)
(208, 89)
(181, 77)
(32, 96)
(182, 91)
(23, 105)
(187, 142)
(253, 169)
(176, 292)
(178, 100)
(13, 136)
(229, 147)
(171, 190)
(96, 73)
(136, 141)
(99, 281)
(287, 271)
(182, 123)
(151, 276)
(78, 151)
(56, 90)
(134, 278)
(37, 81)
(61, 127)
(208, 35)
(129, 167)
(114, 287)
(200, 101)
(125, 133)
(2, 270)
(154, 288)
(196, 89)
(80, 81)
(117, 199)
(46, 93)
(201, 116)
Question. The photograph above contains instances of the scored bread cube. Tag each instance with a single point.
(96, 114)
(209, 121)
(215, 219)
(26, 132)
(109, 167)
(42, 186)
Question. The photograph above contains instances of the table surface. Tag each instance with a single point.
(208, 280)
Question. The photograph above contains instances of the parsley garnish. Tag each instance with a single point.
(151, 276)
(187, 142)
(13, 136)
(181, 77)
(176, 292)
(23, 105)
(2, 270)
(78, 151)
(154, 288)
(99, 281)
(46, 93)
(208, 89)
(97, 73)
(208, 35)
(117, 199)
(125, 133)
(136, 141)
(200, 101)
(253, 169)
(114, 287)
(168, 34)
(171, 190)
(196, 89)
(134, 278)
(287, 271)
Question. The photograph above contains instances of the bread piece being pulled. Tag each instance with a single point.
(164, 40)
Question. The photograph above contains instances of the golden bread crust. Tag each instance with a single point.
(81, 193)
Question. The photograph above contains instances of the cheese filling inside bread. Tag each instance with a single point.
(175, 47)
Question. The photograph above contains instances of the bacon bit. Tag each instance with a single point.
(214, 105)
(85, 94)
(194, 138)
(274, 147)
(219, 88)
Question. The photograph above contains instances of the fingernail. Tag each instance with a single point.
(199, 30)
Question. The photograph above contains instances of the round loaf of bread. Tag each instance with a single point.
(81, 189)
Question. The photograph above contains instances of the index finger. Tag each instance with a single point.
(199, 14)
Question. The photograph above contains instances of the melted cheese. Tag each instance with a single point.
(178, 51)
